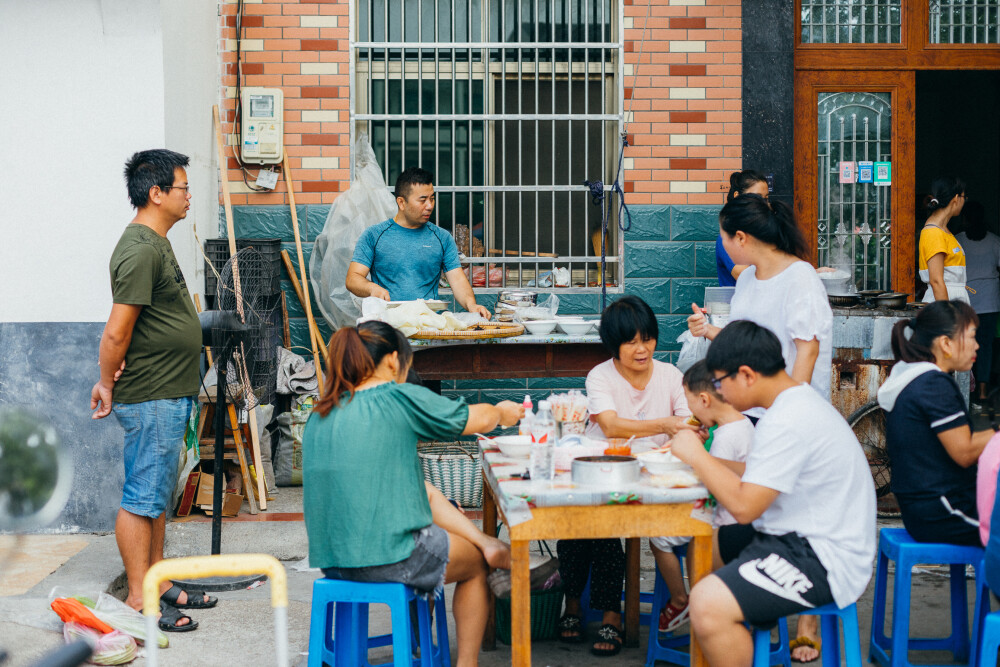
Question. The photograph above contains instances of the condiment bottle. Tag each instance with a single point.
(524, 428)
(543, 437)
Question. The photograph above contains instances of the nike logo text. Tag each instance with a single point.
(776, 575)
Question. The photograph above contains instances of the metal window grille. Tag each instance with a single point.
(512, 105)
(855, 230)
(965, 21)
(851, 21)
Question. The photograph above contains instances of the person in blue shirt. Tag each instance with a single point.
(740, 183)
(401, 259)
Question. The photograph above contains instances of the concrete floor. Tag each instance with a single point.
(241, 628)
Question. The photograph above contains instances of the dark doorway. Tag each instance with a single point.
(958, 132)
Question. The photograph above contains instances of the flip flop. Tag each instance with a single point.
(608, 634)
(570, 623)
(807, 642)
(196, 599)
(169, 615)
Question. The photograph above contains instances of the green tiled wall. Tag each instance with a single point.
(669, 260)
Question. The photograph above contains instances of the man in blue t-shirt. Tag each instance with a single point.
(402, 258)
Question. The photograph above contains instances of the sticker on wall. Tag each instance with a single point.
(883, 173)
(847, 170)
(866, 172)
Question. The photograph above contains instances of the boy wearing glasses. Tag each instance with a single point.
(806, 489)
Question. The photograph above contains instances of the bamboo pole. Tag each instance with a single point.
(314, 330)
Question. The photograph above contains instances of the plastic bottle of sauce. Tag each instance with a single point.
(524, 428)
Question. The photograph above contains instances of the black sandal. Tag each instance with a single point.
(169, 615)
(196, 599)
(608, 634)
(570, 623)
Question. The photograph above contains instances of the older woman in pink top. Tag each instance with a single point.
(630, 394)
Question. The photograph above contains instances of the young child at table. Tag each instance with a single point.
(729, 436)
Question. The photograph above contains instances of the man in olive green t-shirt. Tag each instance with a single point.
(153, 342)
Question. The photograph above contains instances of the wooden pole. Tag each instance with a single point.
(313, 329)
(314, 337)
(231, 234)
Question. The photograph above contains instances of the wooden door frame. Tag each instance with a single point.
(901, 85)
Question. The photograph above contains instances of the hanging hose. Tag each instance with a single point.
(598, 195)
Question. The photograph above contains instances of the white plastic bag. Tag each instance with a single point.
(693, 350)
(365, 203)
(113, 648)
(546, 310)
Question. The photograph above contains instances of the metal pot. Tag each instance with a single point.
(509, 300)
(612, 471)
(894, 300)
(843, 300)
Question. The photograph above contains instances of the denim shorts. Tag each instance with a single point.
(423, 570)
(154, 436)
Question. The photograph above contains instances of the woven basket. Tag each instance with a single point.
(478, 332)
(454, 469)
(545, 609)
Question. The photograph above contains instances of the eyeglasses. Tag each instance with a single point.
(185, 188)
(717, 382)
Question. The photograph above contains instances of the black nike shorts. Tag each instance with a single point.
(771, 576)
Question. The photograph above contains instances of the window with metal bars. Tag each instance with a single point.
(851, 21)
(512, 105)
(965, 21)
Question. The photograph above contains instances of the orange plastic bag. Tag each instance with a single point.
(75, 611)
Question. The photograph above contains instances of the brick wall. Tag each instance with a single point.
(685, 137)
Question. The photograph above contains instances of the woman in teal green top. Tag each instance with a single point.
(369, 514)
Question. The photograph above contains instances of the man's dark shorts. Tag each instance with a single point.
(771, 576)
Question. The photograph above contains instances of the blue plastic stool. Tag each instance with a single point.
(896, 544)
(980, 633)
(344, 642)
(765, 653)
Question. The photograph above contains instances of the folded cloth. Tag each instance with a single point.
(295, 374)
(540, 567)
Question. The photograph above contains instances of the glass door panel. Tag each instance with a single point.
(854, 227)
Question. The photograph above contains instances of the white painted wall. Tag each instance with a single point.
(84, 84)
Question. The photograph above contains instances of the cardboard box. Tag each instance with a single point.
(206, 488)
(187, 497)
(231, 504)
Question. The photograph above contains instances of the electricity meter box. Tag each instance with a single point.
(262, 122)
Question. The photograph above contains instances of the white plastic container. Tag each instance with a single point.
(543, 436)
(524, 427)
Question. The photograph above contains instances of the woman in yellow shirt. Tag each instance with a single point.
(941, 258)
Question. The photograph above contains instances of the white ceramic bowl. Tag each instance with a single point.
(539, 327)
(516, 446)
(659, 463)
(575, 327)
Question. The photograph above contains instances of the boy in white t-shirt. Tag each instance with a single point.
(729, 436)
(807, 490)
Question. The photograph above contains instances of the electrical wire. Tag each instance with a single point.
(237, 126)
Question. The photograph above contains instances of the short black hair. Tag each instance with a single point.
(409, 178)
(148, 168)
(698, 379)
(623, 319)
(744, 343)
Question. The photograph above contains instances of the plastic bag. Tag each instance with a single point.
(71, 610)
(546, 310)
(364, 204)
(693, 350)
(123, 618)
(113, 648)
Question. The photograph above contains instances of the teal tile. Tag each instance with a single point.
(578, 304)
(555, 384)
(292, 304)
(293, 255)
(263, 222)
(667, 357)
(671, 326)
(694, 223)
(685, 291)
(649, 223)
(705, 266)
(315, 220)
(494, 396)
(655, 259)
(654, 291)
(508, 383)
(299, 334)
(471, 397)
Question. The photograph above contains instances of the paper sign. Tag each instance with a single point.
(883, 173)
(866, 172)
(846, 170)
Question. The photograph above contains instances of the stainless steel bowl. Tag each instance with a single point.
(842, 300)
(894, 300)
(610, 471)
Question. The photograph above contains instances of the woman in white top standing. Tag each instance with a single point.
(982, 260)
(779, 291)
